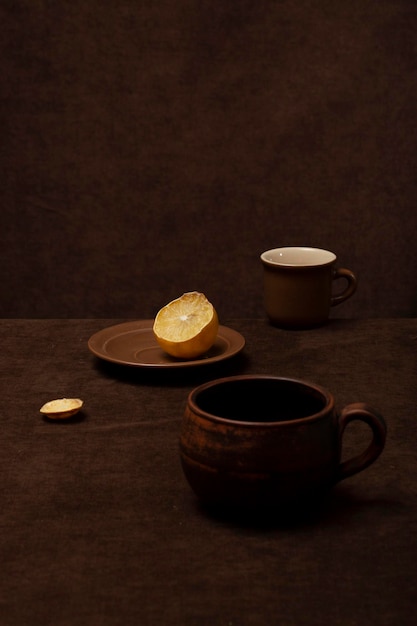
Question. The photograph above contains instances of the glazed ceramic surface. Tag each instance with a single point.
(298, 283)
(133, 343)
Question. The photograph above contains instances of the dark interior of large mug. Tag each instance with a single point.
(260, 399)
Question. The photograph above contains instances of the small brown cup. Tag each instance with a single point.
(263, 441)
(298, 285)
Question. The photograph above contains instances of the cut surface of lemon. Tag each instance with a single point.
(62, 408)
(187, 326)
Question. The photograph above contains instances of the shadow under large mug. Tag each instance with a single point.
(298, 286)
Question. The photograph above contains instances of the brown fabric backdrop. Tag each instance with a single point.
(151, 148)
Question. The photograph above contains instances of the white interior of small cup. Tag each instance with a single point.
(298, 256)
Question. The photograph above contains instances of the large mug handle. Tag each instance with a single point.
(363, 413)
(352, 284)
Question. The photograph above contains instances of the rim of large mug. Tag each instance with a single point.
(192, 401)
(268, 261)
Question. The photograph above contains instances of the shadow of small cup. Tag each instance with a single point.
(265, 443)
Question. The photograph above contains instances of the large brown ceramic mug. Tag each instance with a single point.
(264, 440)
(298, 283)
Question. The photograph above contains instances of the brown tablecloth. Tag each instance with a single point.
(99, 527)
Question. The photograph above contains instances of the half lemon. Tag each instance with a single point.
(187, 326)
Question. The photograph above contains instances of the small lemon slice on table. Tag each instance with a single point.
(61, 408)
(187, 327)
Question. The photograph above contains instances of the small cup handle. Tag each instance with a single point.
(361, 412)
(352, 284)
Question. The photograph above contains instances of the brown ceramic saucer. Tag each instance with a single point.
(133, 343)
